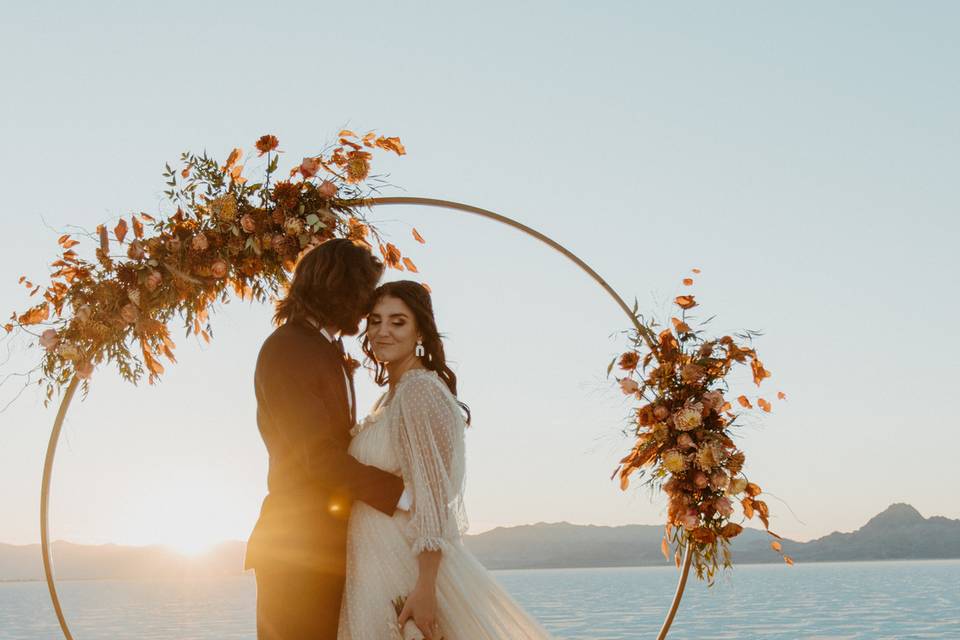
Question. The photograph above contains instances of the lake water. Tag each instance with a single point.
(819, 601)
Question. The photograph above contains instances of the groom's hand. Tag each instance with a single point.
(421, 607)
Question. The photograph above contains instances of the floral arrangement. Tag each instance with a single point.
(225, 234)
(684, 427)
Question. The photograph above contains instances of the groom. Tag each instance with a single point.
(305, 409)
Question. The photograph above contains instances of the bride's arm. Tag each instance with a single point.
(431, 450)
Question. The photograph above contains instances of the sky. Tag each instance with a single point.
(803, 157)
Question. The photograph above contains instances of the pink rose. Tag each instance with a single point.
(248, 224)
(49, 339)
(629, 386)
(219, 269)
(327, 189)
(723, 506)
(85, 370)
(700, 480)
(690, 519)
(309, 167)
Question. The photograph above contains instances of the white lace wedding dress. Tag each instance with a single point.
(419, 434)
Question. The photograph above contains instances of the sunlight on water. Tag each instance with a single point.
(834, 601)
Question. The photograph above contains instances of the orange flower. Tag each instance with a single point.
(685, 302)
(692, 373)
(267, 144)
(629, 360)
(645, 415)
(358, 166)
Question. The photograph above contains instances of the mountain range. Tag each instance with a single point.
(897, 533)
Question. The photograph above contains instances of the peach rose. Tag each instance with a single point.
(713, 400)
(135, 250)
(130, 313)
(247, 223)
(723, 506)
(327, 189)
(154, 278)
(700, 479)
(84, 313)
(719, 479)
(219, 269)
(685, 441)
(85, 370)
(49, 339)
(200, 242)
(660, 412)
(310, 167)
(629, 386)
(689, 519)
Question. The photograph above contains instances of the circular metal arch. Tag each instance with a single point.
(368, 202)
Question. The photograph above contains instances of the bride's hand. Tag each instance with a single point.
(421, 607)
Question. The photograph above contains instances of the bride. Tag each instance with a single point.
(416, 429)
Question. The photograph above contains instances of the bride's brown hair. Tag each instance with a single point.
(417, 298)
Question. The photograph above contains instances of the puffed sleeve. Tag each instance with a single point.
(430, 442)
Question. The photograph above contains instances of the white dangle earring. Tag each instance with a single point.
(420, 351)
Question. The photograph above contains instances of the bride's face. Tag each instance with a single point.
(392, 330)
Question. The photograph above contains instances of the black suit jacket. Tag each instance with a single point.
(303, 415)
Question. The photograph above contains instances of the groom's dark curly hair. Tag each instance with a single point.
(332, 283)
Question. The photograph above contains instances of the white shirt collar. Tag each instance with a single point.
(326, 334)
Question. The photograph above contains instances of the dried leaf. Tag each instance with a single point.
(63, 238)
(347, 132)
(418, 237)
(120, 231)
(747, 504)
(147, 217)
(763, 404)
(788, 560)
(685, 302)
(70, 243)
(137, 228)
(410, 266)
(665, 548)
(781, 395)
(695, 270)
(744, 402)
(104, 240)
(688, 281)
(232, 159)
(753, 489)
(776, 546)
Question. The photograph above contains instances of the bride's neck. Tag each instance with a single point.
(397, 369)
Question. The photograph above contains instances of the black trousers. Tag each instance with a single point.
(298, 604)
